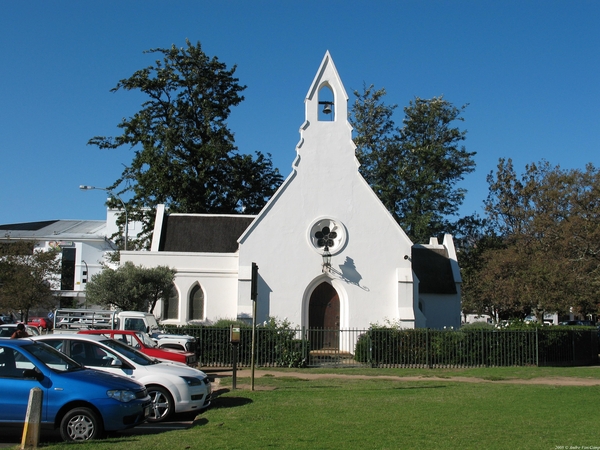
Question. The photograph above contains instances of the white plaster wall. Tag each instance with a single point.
(133, 228)
(93, 253)
(216, 273)
(288, 264)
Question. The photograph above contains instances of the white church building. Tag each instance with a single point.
(328, 252)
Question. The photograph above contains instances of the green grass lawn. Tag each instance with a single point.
(288, 412)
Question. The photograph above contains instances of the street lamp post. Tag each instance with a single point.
(90, 188)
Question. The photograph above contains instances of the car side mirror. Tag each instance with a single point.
(33, 373)
(116, 363)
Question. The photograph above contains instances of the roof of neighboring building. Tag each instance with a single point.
(202, 233)
(54, 229)
(28, 226)
(433, 269)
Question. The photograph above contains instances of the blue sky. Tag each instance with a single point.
(529, 71)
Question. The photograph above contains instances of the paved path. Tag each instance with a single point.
(553, 381)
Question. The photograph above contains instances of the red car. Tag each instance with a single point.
(144, 343)
(42, 323)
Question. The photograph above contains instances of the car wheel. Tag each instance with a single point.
(80, 424)
(162, 404)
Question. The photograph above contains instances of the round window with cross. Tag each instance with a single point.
(327, 234)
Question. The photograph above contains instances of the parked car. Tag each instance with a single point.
(173, 387)
(6, 318)
(83, 403)
(80, 323)
(141, 341)
(43, 323)
(581, 323)
(7, 330)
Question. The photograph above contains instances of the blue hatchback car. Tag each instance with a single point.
(83, 403)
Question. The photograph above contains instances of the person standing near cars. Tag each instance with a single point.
(20, 332)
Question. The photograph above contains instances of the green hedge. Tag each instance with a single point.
(381, 347)
(278, 344)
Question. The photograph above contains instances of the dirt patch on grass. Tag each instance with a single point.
(551, 381)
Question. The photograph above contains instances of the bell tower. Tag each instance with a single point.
(326, 135)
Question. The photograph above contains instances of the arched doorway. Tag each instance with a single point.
(324, 318)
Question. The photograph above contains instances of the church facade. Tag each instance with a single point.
(329, 254)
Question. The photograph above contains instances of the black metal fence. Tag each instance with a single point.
(385, 347)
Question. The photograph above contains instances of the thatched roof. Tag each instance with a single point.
(432, 267)
(202, 233)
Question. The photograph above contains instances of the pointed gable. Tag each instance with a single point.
(327, 77)
(326, 191)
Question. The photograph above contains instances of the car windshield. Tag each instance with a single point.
(52, 358)
(7, 330)
(152, 323)
(147, 340)
(32, 331)
(129, 352)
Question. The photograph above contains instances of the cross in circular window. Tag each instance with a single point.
(325, 238)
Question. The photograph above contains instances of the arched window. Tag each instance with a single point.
(171, 306)
(196, 303)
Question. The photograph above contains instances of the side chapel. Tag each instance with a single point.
(328, 252)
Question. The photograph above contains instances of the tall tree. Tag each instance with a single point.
(413, 169)
(26, 277)
(184, 154)
(548, 222)
(131, 287)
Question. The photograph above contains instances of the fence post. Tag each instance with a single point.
(482, 361)
(427, 360)
(537, 348)
(593, 348)
(304, 345)
(370, 344)
(572, 346)
(31, 430)
(254, 298)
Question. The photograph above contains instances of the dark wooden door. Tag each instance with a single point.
(324, 318)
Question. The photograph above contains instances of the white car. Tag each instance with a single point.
(173, 387)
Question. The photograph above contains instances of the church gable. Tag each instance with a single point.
(326, 225)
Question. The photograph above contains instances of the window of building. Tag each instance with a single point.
(327, 232)
(67, 276)
(171, 306)
(196, 303)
